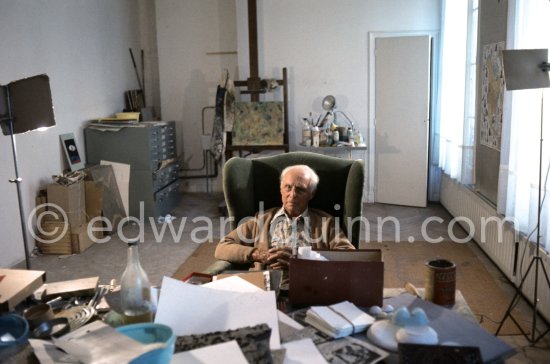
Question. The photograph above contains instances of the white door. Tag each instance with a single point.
(402, 109)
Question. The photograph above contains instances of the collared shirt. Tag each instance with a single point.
(287, 231)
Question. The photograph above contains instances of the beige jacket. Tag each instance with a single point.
(237, 246)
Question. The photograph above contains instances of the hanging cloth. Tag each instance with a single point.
(225, 114)
(217, 140)
(229, 105)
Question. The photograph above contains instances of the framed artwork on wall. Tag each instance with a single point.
(71, 151)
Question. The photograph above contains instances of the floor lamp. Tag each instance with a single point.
(528, 69)
(25, 105)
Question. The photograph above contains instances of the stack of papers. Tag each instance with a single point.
(338, 320)
(227, 304)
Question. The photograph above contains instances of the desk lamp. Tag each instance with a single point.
(528, 69)
(25, 105)
(329, 105)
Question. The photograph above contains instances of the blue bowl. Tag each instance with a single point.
(149, 333)
(14, 333)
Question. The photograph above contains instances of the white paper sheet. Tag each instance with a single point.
(284, 318)
(235, 284)
(99, 343)
(47, 353)
(227, 353)
(190, 309)
(238, 284)
(302, 352)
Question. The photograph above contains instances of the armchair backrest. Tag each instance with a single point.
(249, 182)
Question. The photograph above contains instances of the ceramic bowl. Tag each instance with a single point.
(149, 333)
(14, 333)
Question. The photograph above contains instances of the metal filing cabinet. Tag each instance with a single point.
(147, 147)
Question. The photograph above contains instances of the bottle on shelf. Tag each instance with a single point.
(315, 136)
(306, 133)
(351, 139)
(135, 289)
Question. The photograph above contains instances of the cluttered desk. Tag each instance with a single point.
(230, 317)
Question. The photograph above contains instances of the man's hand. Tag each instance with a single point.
(259, 256)
(278, 258)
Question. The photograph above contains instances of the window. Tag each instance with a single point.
(458, 89)
(518, 198)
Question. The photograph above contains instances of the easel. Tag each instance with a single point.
(254, 87)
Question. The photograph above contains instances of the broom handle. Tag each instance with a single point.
(137, 75)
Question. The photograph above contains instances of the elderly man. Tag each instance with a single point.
(271, 237)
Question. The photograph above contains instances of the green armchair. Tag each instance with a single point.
(249, 182)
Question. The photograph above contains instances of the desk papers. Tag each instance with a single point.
(338, 320)
(95, 343)
(190, 309)
(234, 284)
(302, 351)
(227, 353)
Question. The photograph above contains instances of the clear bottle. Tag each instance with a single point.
(315, 136)
(135, 290)
(306, 133)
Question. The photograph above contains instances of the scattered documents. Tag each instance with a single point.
(338, 320)
(95, 343)
(227, 353)
(234, 283)
(259, 278)
(191, 309)
(301, 352)
(305, 252)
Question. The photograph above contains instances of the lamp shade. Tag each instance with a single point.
(522, 69)
(30, 103)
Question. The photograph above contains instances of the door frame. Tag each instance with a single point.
(434, 100)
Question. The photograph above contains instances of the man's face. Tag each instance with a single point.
(295, 193)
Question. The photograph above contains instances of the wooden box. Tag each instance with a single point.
(353, 275)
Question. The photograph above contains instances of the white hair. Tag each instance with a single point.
(307, 172)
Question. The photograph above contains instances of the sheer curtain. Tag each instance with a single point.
(457, 103)
(519, 175)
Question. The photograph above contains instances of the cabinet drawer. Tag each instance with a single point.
(167, 198)
(141, 147)
(165, 176)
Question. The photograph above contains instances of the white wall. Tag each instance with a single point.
(83, 46)
(186, 32)
(323, 44)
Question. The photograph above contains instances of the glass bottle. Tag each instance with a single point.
(135, 290)
(315, 136)
(306, 133)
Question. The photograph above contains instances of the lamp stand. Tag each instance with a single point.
(536, 261)
(17, 180)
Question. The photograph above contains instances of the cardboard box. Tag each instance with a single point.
(73, 241)
(93, 199)
(40, 201)
(81, 201)
(353, 275)
(72, 200)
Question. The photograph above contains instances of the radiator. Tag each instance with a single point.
(496, 238)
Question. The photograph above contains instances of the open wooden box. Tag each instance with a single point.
(353, 275)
